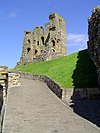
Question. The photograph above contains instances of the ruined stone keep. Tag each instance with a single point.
(42, 45)
(94, 38)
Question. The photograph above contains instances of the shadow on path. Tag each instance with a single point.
(88, 109)
(85, 76)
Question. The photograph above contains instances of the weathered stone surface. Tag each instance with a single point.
(94, 38)
(7, 80)
(3, 68)
(1, 95)
(80, 94)
(39, 45)
(13, 79)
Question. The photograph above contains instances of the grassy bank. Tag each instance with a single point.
(75, 70)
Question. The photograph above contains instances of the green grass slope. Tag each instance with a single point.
(75, 70)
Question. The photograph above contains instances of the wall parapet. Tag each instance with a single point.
(66, 94)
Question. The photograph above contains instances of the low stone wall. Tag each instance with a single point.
(65, 94)
(13, 79)
(79, 94)
(50, 83)
(8, 80)
(4, 79)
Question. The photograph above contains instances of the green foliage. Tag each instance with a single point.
(75, 70)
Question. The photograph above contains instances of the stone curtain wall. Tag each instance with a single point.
(94, 38)
(50, 83)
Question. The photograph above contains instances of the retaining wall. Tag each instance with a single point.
(65, 94)
(80, 93)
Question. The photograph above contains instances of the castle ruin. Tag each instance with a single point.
(94, 38)
(39, 45)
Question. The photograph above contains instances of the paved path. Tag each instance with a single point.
(33, 108)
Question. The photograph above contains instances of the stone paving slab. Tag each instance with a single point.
(33, 108)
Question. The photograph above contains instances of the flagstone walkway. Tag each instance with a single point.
(33, 108)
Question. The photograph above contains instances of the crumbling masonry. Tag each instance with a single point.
(94, 38)
(39, 45)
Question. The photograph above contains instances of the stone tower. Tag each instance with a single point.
(39, 45)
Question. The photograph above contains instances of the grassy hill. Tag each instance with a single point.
(75, 70)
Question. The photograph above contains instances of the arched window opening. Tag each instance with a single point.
(28, 50)
(27, 32)
(38, 43)
(53, 28)
(53, 42)
(42, 38)
(53, 50)
(36, 51)
(29, 41)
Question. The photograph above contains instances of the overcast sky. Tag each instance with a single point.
(16, 16)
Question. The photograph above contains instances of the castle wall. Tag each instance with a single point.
(57, 41)
(27, 47)
(39, 45)
(94, 38)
